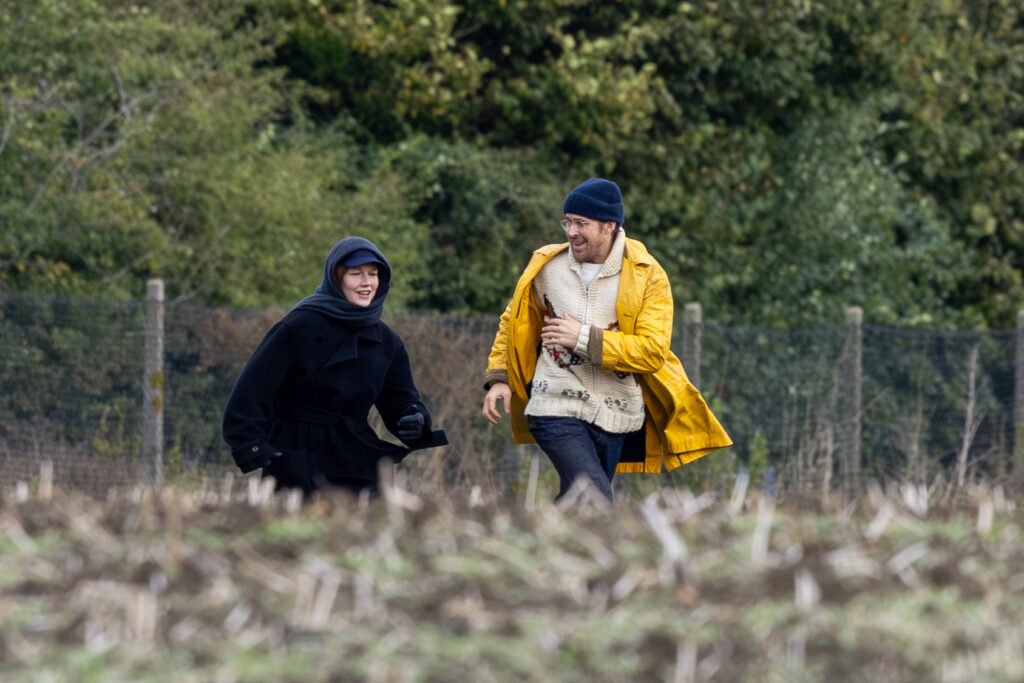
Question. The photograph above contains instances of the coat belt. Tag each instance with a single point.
(317, 417)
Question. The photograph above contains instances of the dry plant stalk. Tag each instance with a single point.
(971, 421)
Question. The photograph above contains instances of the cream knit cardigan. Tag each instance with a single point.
(567, 383)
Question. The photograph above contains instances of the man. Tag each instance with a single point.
(582, 362)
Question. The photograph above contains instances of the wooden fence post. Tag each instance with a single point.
(850, 387)
(693, 330)
(153, 385)
(1018, 396)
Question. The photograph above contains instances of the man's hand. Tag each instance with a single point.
(564, 332)
(499, 391)
(410, 427)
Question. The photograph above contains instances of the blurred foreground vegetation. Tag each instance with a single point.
(224, 582)
(783, 160)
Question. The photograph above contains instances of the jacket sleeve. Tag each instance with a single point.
(496, 370)
(250, 408)
(645, 349)
(398, 396)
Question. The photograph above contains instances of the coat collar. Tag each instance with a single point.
(348, 344)
(373, 332)
(637, 253)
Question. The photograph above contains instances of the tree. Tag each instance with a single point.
(225, 147)
(148, 141)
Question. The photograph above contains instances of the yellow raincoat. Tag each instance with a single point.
(679, 426)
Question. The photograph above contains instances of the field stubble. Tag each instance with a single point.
(227, 581)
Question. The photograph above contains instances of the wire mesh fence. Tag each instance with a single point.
(929, 403)
(927, 406)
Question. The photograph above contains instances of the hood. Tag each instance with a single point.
(328, 299)
(338, 253)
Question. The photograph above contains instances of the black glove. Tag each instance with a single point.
(410, 427)
(261, 455)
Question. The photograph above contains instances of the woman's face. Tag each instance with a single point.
(358, 283)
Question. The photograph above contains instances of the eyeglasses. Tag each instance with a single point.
(581, 225)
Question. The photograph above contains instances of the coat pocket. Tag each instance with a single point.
(292, 469)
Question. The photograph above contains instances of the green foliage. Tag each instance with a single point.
(782, 160)
(480, 215)
(954, 130)
(757, 460)
(56, 387)
(394, 68)
(160, 158)
(840, 227)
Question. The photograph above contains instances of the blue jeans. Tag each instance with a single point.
(577, 448)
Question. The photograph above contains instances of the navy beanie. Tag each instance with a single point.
(596, 198)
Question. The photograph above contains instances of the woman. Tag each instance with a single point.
(299, 409)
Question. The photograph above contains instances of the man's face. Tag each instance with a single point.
(589, 240)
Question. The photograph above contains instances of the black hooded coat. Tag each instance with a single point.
(307, 390)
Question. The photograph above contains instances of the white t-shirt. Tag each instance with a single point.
(590, 271)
